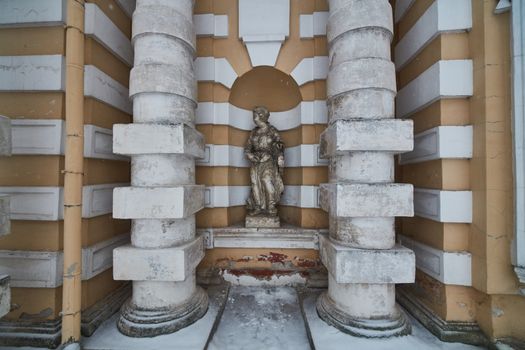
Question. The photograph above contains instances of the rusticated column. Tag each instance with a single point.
(163, 197)
(360, 253)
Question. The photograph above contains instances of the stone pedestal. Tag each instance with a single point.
(254, 221)
(361, 140)
(163, 198)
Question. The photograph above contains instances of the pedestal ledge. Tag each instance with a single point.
(175, 202)
(385, 135)
(162, 264)
(285, 237)
(367, 200)
(134, 139)
(353, 265)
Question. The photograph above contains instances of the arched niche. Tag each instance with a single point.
(265, 86)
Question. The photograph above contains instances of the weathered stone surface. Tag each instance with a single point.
(5, 136)
(163, 78)
(367, 200)
(354, 265)
(362, 167)
(5, 295)
(157, 202)
(163, 109)
(363, 73)
(262, 221)
(364, 233)
(352, 45)
(5, 222)
(362, 104)
(172, 21)
(133, 139)
(161, 264)
(348, 15)
(388, 135)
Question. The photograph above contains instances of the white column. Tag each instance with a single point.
(163, 197)
(360, 252)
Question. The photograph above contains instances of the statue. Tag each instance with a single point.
(265, 151)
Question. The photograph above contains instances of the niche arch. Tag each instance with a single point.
(265, 86)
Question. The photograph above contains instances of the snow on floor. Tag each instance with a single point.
(193, 337)
(261, 318)
(326, 337)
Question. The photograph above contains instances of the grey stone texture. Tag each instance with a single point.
(5, 136)
(5, 222)
(262, 221)
(163, 197)
(360, 252)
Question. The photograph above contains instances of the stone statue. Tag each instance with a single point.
(265, 151)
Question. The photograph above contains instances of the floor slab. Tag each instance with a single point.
(261, 318)
(193, 337)
(326, 337)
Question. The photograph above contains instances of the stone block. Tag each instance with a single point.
(262, 221)
(157, 202)
(134, 139)
(354, 265)
(363, 73)
(349, 15)
(164, 264)
(5, 223)
(5, 136)
(367, 200)
(387, 135)
(5, 295)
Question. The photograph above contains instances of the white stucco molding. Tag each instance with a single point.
(46, 203)
(313, 25)
(443, 206)
(274, 238)
(38, 136)
(442, 142)
(443, 16)
(452, 268)
(99, 26)
(217, 113)
(263, 27)
(217, 70)
(310, 69)
(102, 87)
(402, 7)
(518, 126)
(444, 79)
(47, 137)
(34, 269)
(211, 25)
(232, 196)
(305, 155)
(32, 73)
(28, 13)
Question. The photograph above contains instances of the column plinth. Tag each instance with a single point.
(163, 198)
(361, 140)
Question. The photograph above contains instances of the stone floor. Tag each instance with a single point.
(262, 318)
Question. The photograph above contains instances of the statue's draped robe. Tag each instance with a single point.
(267, 183)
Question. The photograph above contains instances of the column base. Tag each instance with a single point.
(138, 322)
(366, 328)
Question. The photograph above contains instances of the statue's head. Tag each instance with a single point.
(260, 115)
